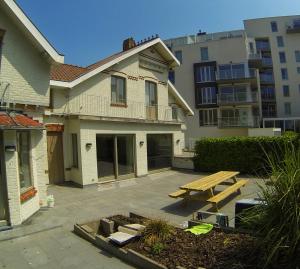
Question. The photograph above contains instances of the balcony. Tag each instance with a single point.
(236, 75)
(239, 122)
(237, 98)
(98, 106)
(255, 60)
(266, 79)
(263, 45)
(269, 113)
(267, 62)
(294, 28)
(268, 98)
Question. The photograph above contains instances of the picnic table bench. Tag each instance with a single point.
(205, 187)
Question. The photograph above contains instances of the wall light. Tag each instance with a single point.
(177, 141)
(142, 143)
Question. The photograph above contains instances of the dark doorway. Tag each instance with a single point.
(159, 151)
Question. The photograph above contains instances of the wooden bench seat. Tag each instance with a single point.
(178, 194)
(228, 191)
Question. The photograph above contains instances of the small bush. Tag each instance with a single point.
(157, 248)
(157, 231)
(244, 154)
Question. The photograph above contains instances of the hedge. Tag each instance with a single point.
(243, 154)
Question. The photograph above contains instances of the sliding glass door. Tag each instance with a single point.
(115, 156)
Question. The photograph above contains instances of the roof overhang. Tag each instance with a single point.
(180, 99)
(157, 43)
(31, 30)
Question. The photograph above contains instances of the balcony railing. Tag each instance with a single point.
(262, 45)
(268, 97)
(254, 56)
(90, 105)
(267, 61)
(237, 97)
(236, 74)
(266, 78)
(294, 28)
(231, 122)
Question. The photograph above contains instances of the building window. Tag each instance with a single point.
(178, 55)
(251, 47)
(286, 90)
(205, 74)
(297, 56)
(172, 76)
(280, 42)
(118, 90)
(282, 57)
(151, 93)
(267, 93)
(207, 95)
(287, 109)
(74, 150)
(204, 54)
(24, 160)
(208, 117)
(284, 74)
(298, 70)
(274, 26)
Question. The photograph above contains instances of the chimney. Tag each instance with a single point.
(128, 44)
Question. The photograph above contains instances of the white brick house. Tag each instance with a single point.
(117, 118)
(25, 62)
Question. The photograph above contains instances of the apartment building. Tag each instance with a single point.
(240, 80)
(117, 118)
(26, 58)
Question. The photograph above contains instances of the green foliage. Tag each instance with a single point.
(157, 248)
(244, 154)
(157, 231)
(278, 220)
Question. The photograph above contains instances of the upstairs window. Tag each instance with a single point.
(74, 140)
(208, 117)
(284, 74)
(172, 76)
(274, 26)
(287, 109)
(205, 74)
(178, 55)
(151, 93)
(280, 42)
(206, 95)
(118, 90)
(297, 56)
(286, 90)
(282, 57)
(204, 54)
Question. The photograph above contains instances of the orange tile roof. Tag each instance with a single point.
(68, 72)
(14, 120)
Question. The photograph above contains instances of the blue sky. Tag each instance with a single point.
(88, 30)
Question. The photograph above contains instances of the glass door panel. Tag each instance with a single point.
(105, 156)
(125, 155)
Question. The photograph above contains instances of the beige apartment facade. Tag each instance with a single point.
(240, 80)
(117, 118)
(25, 63)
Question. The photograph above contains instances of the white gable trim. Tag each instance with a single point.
(180, 99)
(119, 59)
(42, 41)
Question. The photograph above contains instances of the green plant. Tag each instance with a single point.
(244, 154)
(277, 220)
(157, 231)
(157, 248)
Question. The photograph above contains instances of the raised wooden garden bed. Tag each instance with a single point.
(217, 249)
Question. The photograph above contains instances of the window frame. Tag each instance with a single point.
(289, 105)
(117, 102)
(74, 143)
(179, 58)
(207, 95)
(274, 26)
(286, 90)
(280, 41)
(202, 49)
(207, 72)
(29, 144)
(282, 74)
(150, 83)
(210, 116)
(282, 57)
(297, 56)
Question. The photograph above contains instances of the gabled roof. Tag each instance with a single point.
(12, 120)
(16, 13)
(68, 76)
(180, 99)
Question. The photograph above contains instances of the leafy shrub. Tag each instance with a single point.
(278, 220)
(157, 231)
(244, 154)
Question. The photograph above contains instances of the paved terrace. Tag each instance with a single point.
(47, 241)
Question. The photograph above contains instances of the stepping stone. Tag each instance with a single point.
(128, 231)
(87, 228)
(137, 227)
(121, 238)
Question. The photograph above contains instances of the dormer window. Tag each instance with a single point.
(118, 90)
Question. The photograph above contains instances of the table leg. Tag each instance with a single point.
(235, 181)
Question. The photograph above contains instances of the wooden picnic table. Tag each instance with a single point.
(205, 187)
